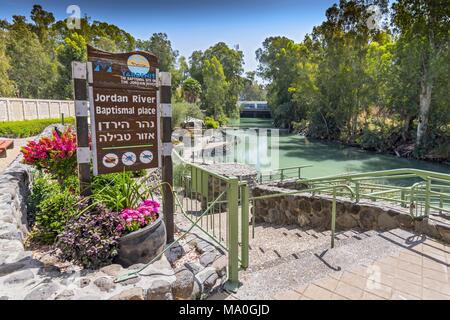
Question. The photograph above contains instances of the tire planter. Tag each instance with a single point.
(143, 245)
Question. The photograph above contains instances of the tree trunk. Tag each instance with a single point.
(424, 110)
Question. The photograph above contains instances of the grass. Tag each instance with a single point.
(28, 128)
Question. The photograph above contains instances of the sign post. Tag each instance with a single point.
(127, 98)
(167, 174)
(81, 113)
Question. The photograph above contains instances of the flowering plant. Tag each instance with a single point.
(55, 155)
(134, 219)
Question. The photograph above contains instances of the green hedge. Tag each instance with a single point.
(28, 128)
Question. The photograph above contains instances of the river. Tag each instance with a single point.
(326, 158)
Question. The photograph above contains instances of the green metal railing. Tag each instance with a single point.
(281, 174)
(422, 192)
(218, 206)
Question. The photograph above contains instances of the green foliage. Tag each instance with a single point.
(6, 84)
(32, 69)
(118, 191)
(52, 213)
(72, 49)
(210, 123)
(182, 110)
(192, 90)
(160, 45)
(41, 188)
(252, 90)
(28, 128)
(346, 78)
(215, 87)
(90, 238)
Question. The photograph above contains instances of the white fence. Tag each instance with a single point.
(16, 109)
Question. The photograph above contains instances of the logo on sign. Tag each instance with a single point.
(138, 64)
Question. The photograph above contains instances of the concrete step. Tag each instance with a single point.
(270, 277)
(275, 244)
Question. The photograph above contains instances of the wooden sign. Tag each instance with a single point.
(124, 111)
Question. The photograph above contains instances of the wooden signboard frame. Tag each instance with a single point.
(159, 88)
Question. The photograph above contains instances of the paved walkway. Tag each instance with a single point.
(420, 272)
(12, 154)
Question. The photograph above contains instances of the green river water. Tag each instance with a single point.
(326, 158)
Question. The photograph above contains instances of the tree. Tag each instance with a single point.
(74, 48)
(423, 27)
(160, 45)
(31, 67)
(191, 90)
(215, 88)
(42, 21)
(252, 90)
(6, 85)
(232, 62)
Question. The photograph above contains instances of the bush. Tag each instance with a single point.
(52, 214)
(91, 237)
(28, 128)
(41, 188)
(182, 110)
(55, 155)
(210, 123)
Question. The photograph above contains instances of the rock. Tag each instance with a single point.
(104, 284)
(207, 258)
(184, 284)
(48, 260)
(160, 267)
(405, 221)
(19, 277)
(159, 290)
(42, 292)
(387, 222)
(129, 294)
(130, 281)
(203, 246)
(112, 270)
(65, 295)
(10, 267)
(9, 231)
(84, 282)
(221, 265)
(88, 297)
(194, 267)
(174, 253)
(196, 290)
(207, 278)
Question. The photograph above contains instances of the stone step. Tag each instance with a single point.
(262, 282)
(275, 244)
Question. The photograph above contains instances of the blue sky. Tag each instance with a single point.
(195, 24)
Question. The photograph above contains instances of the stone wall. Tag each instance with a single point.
(315, 212)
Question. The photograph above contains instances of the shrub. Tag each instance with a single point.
(91, 237)
(41, 188)
(210, 123)
(183, 110)
(28, 128)
(52, 214)
(55, 155)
